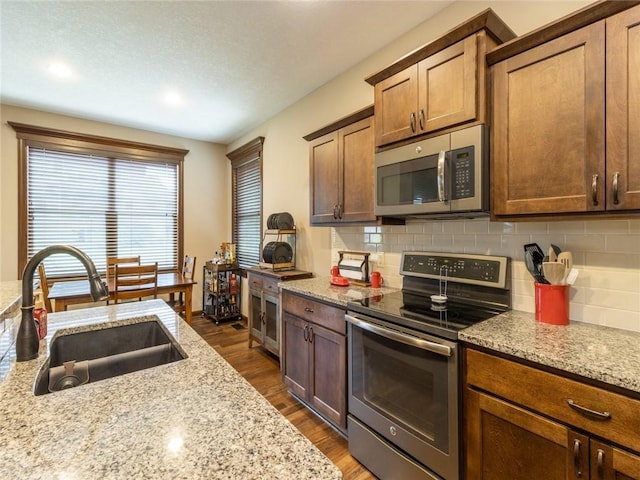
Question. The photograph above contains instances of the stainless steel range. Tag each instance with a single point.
(404, 362)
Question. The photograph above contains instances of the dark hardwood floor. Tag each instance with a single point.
(262, 370)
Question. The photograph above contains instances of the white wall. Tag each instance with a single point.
(607, 251)
(207, 189)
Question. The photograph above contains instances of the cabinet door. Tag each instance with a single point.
(623, 110)
(396, 101)
(611, 463)
(548, 127)
(447, 86)
(356, 152)
(328, 374)
(295, 366)
(504, 442)
(324, 178)
(271, 327)
(255, 315)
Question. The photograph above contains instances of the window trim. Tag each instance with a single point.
(248, 152)
(35, 136)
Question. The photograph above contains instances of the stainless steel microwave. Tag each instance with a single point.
(438, 177)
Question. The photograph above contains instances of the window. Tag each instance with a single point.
(246, 207)
(104, 196)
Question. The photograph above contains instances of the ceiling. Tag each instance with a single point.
(230, 65)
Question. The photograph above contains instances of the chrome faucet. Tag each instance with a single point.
(27, 341)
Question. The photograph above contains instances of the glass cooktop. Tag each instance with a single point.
(420, 313)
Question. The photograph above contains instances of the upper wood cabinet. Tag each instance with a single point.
(342, 171)
(566, 110)
(440, 85)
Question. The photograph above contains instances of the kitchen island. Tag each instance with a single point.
(194, 418)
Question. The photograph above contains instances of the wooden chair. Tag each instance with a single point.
(188, 271)
(135, 281)
(44, 286)
(113, 261)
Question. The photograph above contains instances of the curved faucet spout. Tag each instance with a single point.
(27, 341)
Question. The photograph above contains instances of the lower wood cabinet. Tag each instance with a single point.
(264, 305)
(516, 436)
(314, 356)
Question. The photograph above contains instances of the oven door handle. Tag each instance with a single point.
(399, 337)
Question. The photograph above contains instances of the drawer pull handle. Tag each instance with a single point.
(308, 309)
(587, 411)
(306, 333)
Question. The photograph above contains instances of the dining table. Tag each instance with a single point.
(74, 292)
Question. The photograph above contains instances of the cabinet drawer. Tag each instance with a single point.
(270, 286)
(255, 281)
(316, 312)
(550, 394)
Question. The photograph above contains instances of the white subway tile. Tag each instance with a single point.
(612, 260)
(422, 241)
(502, 227)
(456, 226)
(532, 228)
(607, 226)
(480, 225)
(415, 227)
(463, 241)
(623, 243)
(587, 243)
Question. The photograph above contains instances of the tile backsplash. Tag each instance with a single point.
(606, 253)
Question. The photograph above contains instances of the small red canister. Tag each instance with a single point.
(40, 317)
(376, 280)
(552, 303)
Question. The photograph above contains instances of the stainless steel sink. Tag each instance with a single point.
(93, 355)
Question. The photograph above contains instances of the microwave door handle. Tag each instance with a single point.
(442, 194)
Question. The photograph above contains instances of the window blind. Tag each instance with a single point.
(102, 205)
(247, 211)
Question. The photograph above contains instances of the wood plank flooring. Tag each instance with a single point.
(262, 370)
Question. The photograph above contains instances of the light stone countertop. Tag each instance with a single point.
(10, 297)
(596, 352)
(192, 419)
(320, 288)
(609, 355)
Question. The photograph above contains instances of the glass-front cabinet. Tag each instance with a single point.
(264, 305)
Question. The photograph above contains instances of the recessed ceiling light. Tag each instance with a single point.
(60, 70)
(173, 98)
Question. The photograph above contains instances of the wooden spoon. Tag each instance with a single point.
(554, 272)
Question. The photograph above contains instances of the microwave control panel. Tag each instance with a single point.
(463, 173)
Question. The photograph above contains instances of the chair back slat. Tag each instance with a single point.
(135, 281)
(44, 286)
(113, 261)
(189, 266)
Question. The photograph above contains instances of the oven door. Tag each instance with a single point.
(403, 385)
(410, 180)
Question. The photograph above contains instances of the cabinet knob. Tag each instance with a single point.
(308, 309)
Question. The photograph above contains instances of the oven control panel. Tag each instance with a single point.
(464, 268)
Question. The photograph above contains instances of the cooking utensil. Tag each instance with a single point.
(554, 272)
(534, 247)
(533, 270)
(566, 258)
(556, 249)
(552, 255)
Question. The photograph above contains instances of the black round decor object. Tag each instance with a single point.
(284, 221)
(277, 252)
(280, 221)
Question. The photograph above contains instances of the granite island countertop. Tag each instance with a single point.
(605, 354)
(195, 418)
(320, 288)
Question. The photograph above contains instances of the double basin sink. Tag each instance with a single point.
(89, 356)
